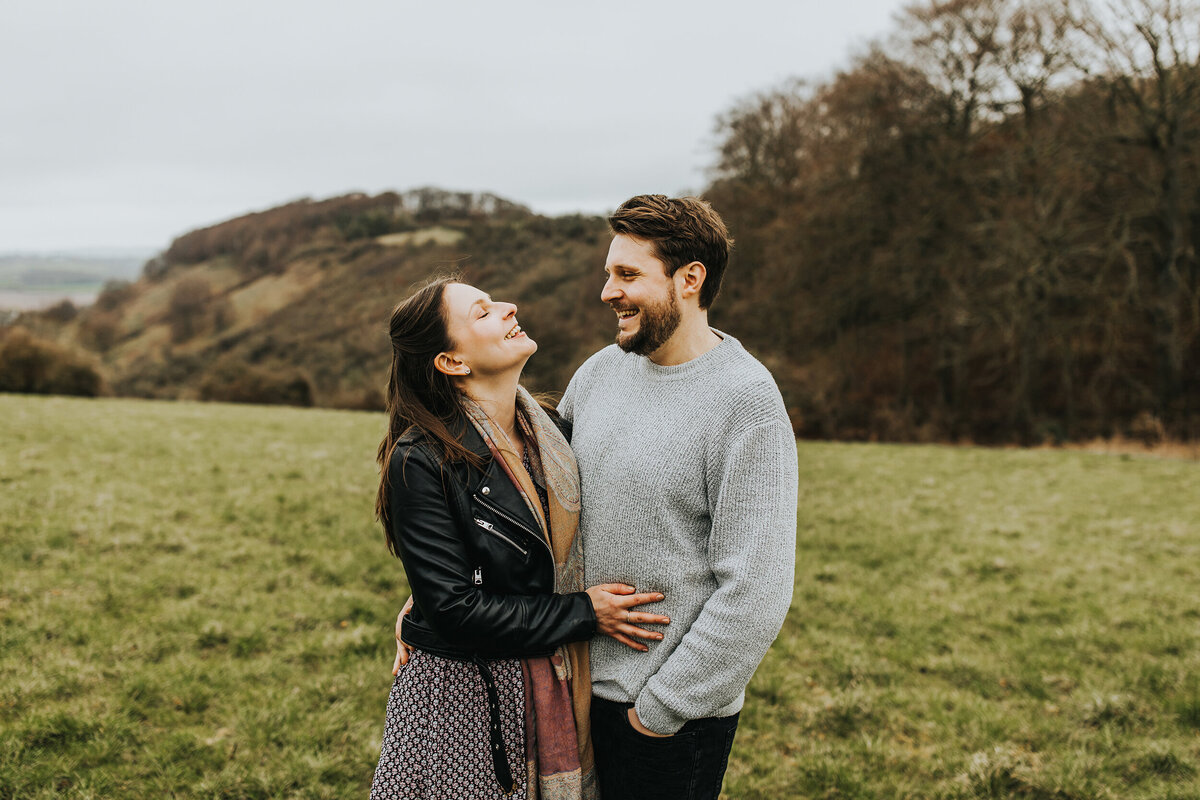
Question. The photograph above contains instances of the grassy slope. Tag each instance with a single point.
(195, 601)
(325, 311)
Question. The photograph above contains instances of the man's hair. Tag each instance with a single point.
(680, 230)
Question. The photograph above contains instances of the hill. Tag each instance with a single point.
(196, 602)
(291, 304)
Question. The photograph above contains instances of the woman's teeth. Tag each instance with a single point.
(516, 329)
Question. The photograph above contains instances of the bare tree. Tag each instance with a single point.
(1146, 54)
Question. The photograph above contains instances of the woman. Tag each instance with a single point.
(479, 497)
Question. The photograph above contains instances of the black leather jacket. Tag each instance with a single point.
(481, 574)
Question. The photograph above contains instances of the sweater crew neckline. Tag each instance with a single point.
(699, 365)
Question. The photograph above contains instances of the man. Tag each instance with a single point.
(689, 482)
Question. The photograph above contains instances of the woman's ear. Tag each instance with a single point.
(448, 364)
(691, 277)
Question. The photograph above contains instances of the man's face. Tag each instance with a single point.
(641, 294)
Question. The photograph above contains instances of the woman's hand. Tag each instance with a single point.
(613, 601)
(402, 650)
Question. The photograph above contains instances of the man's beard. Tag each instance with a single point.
(656, 324)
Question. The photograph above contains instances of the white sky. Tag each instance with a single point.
(124, 124)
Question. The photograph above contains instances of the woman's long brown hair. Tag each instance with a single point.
(418, 395)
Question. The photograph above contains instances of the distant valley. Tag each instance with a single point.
(30, 281)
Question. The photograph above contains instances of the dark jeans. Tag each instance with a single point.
(633, 766)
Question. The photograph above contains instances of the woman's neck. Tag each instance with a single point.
(498, 399)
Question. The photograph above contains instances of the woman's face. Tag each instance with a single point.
(485, 333)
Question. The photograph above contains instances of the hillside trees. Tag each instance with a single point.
(985, 228)
(1145, 58)
(264, 241)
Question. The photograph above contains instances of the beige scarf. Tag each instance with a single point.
(558, 688)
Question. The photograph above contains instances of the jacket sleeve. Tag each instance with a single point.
(440, 574)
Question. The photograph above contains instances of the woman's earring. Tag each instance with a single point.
(468, 371)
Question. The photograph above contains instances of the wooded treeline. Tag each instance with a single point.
(985, 228)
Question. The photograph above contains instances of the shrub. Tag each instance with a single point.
(62, 311)
(222, 314)
(115, 294)
(31, 365)
(365, 225)
(188, 308)
(156, 268)
(165, 377)
(369, 399)
(231, 381)
(100, 329)
(1148, 428)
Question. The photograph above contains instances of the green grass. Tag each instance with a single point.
(196, 602)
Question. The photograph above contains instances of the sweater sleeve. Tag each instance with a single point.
(570, 398)
(752, 554)
(566, 405)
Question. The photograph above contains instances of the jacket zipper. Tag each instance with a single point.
(502, 513)
(490, 528)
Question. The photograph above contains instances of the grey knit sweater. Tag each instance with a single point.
(689, 481)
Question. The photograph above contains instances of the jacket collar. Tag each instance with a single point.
(474, 442)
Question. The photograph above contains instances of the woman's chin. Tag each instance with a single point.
(526, 352)
(525, 346)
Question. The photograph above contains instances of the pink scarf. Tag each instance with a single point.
(558, 688)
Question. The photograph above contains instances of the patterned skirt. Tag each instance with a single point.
(435, 738)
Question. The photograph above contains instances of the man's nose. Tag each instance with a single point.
(609, 293)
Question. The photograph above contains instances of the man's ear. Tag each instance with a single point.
(449, 364)
(690, 278)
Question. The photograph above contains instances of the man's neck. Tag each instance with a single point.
(692, 339)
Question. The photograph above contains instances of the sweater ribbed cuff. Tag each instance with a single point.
(655, 715)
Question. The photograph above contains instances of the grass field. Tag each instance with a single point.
(196, 602)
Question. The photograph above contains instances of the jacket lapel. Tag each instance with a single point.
(500, 489)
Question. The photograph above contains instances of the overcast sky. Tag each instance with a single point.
(125, 124)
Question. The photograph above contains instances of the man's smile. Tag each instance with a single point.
(624, 315)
